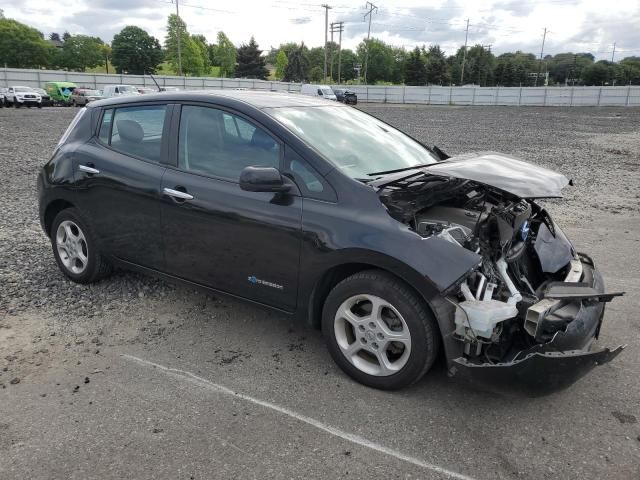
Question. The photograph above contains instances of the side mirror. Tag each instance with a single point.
(263, 179)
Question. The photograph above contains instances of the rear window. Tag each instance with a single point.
(135, 131)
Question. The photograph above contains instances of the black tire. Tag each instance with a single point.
(40, 105)
(425, 336)
(97, 266)
(16, 104)
(73, 103)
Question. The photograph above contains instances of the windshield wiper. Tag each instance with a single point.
(399, 169)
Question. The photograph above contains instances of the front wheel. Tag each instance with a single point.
(379, 331)
(75, 248)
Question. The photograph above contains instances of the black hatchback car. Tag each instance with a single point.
(395, 250)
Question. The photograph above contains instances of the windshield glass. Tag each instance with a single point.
(91, 93)
(127, 89)
(326, 91)
(23, 89)
(356, 143)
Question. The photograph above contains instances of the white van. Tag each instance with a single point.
(323, 91)
(118, 90)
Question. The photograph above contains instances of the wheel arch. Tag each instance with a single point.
(51, 211)
(442, 311)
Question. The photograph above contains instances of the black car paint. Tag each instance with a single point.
(278, 250)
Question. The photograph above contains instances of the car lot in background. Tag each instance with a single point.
(322, 91)
(146, 90)
(170, 89)
(119, 90)
(81, 96)
(345, 96)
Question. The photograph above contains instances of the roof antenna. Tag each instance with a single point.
(154, 80)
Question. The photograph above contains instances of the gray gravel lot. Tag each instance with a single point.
(79, 398)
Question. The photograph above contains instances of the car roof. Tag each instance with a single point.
(255, 98)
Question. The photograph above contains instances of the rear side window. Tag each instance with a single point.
(105, 126)
(135, 131)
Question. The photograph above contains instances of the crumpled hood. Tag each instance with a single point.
(504, 172)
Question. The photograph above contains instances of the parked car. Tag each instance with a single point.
(3, 99)
(18, 96)
(46, 99)
(394, 249)
(119, 90)
(60, 92)
(169, 89)
(323, 91)
(345, 96)
(82, 96)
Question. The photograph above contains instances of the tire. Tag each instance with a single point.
(16, 104)
(360, 345)
(40, 105)
(74, 104)
(70, 224)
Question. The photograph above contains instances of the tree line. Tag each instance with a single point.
(134, 51)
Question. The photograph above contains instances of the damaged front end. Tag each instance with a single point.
(529, 314)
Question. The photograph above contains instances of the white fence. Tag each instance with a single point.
(511, 96)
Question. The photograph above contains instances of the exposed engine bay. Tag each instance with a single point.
(530, 284)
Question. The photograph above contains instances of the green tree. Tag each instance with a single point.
(437, 68)
(596, 74)
(135, 51)
(630, 70)
(381, 60)
(348, 62)
(22, 46)
(250, 62)
(203, 47)
(415, 72)
(297, 64)
(281, 64)
(176, 28)
(225, 55)
(316, 74)
(80, 52)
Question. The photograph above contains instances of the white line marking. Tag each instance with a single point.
(203, 382)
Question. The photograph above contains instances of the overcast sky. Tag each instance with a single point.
(507, 25)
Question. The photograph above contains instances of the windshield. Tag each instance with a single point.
(127, 89)
(356, 143)
(23, 89)
(326, 91)
(91, 93)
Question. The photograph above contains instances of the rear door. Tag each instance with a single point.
(243, 243)
(119, 175)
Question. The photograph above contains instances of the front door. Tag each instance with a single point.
(215, 234)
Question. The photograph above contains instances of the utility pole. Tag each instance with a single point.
(613, 54)
(179, 46)
(544, 36)
(336, 27)
(340, 50)
(371, 8)
(464, 55)
(326, 28)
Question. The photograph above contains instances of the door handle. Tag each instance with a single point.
(177, 194)
(88, 169)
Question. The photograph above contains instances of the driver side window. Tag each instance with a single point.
(218, 143)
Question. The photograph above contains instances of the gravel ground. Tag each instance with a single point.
(57, 338)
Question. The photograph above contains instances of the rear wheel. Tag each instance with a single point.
(379, 331)
(75, 248)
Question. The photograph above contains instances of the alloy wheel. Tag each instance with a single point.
(72, 247)
(372, 335)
